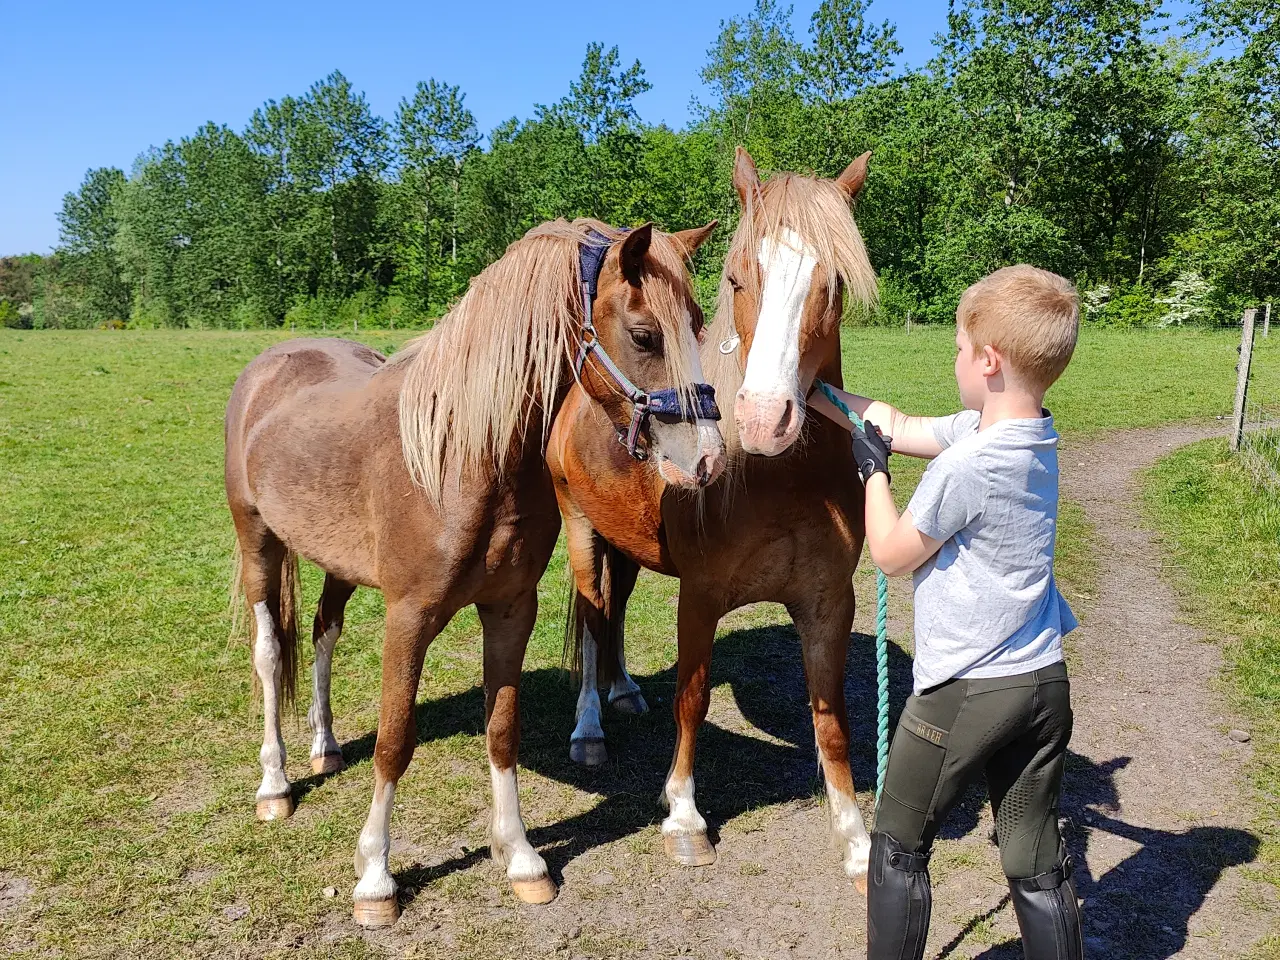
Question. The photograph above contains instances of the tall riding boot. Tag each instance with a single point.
(899, 901)
(1049, 914)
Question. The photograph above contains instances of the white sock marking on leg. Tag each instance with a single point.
(510, 845)
(850, 832)
(320, 716)
(268, 663)
(683, 817)
(588, 709)
(373, 850)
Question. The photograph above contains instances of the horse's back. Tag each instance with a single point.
(284, 369)
(303, 422)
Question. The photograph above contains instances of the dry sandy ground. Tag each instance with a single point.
(1155, 809)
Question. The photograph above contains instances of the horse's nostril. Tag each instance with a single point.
(784, 422)
(704, 470)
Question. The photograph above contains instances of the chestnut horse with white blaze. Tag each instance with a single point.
(425, 477)
(784, 524)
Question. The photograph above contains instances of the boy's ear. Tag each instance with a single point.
(992, 362)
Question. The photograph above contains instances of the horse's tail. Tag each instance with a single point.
(604, 616)
(290, 601)
(237, 602)
(287, 632)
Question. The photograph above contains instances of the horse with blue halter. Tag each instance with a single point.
(785, 522)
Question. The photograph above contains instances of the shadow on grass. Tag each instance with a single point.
(1139, 909)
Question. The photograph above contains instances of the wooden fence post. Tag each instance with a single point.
(1242, 377)
(1266, 321)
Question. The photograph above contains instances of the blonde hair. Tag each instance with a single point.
(1030, 315)
(495, 364)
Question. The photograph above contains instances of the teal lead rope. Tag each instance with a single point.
(882, 632)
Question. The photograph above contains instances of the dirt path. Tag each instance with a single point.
(1154, 811)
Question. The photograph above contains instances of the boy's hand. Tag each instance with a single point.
(871, 450)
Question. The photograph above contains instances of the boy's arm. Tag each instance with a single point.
(897, 547)
(911, 435)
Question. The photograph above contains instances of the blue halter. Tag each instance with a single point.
(665, 404)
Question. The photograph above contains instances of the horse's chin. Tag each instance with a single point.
(674, 475)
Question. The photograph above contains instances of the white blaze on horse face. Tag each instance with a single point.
(509, 843)
(268, 664)
(683, 818)
(373, 850)
(773, 365)
(320, 716)
(851, 833)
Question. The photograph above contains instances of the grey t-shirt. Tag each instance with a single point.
(986, 603)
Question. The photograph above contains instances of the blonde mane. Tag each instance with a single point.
(497, 362)
(816, 209)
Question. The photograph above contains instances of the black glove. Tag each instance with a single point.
(871, 450)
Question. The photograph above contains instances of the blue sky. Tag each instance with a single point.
(95, 84)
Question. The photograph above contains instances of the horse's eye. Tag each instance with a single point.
(733, 282)
(644, 339)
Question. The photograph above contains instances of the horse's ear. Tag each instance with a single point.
(631, 257)
(690, 240)
(854, 176)
(745, 178)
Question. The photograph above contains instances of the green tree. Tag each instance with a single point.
(435, 135)
(848, 54)
(88, 225)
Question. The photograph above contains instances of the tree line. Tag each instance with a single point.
(1097, 138)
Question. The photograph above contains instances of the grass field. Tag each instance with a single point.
(127, 730)
(1224, 534)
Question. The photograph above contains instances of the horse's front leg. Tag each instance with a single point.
(823, 621)
(506, 634)
(410, 628)
(684, 831)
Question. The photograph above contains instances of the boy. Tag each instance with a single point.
(990, 687)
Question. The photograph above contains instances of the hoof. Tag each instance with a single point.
(373, 914)
(327, 763)
(542, 890)
(630, 703)
(590, 752)
(275, 808)
(860, 884)
(689, 849)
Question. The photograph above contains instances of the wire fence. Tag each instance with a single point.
(1259, 429)
(1260, 445)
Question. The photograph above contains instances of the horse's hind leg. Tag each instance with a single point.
(326, 755)
(605, 578)
(506, 634)
(409, 630)
(586, 743)
(265, 576)
(624, 693)
(824, 622)
(586, 559)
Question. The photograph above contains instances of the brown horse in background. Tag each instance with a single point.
(425, 477)
(784, 524)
